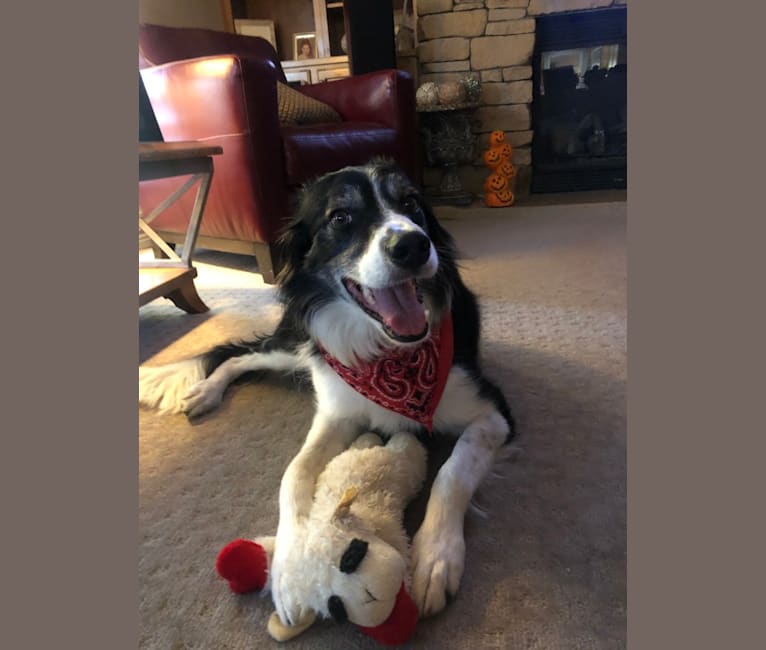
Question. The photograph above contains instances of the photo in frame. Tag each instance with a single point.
(305, 46)
(263, 28)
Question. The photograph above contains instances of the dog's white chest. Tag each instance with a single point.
(459, 405)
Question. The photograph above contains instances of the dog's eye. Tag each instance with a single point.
(413, 209)
(340, 218)
(411, 205)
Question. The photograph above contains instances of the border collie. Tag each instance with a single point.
(376, 313)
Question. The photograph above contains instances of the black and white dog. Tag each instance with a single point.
(376, 312)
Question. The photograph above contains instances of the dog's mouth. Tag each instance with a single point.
(399, 308)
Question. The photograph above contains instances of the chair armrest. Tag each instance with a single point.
(385, 96)
(215, 96)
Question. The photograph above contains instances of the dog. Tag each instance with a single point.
(376, 313)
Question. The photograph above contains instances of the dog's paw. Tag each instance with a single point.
(289, 582)
(202, 397)
(438, 559)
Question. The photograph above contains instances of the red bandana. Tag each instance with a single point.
(409, 381)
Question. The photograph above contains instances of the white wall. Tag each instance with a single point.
(182, 13)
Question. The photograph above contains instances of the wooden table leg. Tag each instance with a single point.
(169, 275)
(186, 297)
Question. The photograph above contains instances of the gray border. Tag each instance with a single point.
(70, 326)
(695, 515)
(70, 446)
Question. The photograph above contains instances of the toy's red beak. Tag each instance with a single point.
(400, 625)
(243, 563)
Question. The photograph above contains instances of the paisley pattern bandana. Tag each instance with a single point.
(408, 381)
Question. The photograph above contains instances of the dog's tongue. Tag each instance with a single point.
(400, 308)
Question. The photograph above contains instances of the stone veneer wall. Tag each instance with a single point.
(492, 40)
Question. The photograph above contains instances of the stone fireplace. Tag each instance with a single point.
(494, 41)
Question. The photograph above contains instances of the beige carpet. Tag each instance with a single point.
(545, 569)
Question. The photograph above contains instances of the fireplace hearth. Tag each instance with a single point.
(579, 107)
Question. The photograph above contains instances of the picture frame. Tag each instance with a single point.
(263, 28)
(299, 40)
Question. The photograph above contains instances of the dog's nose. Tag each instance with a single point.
(408, 250)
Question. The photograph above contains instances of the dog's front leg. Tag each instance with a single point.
(327, 438)
(206, 394)
(438, 549)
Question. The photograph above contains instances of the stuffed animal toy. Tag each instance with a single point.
(497, 189)
(356, 564)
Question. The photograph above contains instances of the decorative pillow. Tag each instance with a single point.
(296, 108)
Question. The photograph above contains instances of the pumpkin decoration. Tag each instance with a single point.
(505, 150)
(496, 138)
(497, 189)
(499, 199)
(451, 93)
(506, 169)
(427, 95)
(495, 183)
(492, 157)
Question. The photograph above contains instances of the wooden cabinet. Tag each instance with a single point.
(293, 17)
(311, 71)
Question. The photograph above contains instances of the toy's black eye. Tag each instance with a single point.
(336, 609)
(353, 555)
(340, 217)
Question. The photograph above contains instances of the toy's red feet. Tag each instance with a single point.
(243, 563)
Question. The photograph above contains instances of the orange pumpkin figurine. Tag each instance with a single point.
(495, 183)
(497, 192)
(492, 157)
(506, 169)
(496, 138)
(505, 150)
(499, 199)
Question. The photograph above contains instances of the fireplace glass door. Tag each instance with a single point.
(580, 103)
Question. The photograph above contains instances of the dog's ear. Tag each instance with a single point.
(294, 244)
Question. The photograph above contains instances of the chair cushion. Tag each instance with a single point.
(296, 108)
(313, 150)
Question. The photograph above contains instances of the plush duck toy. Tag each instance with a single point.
(356, 565)
(497, 190)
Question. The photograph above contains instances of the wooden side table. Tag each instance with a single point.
(173, 277)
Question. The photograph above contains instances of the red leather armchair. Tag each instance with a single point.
(220, 88)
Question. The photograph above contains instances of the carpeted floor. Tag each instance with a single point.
(546, 569)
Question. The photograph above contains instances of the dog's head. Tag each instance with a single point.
(366, 263)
